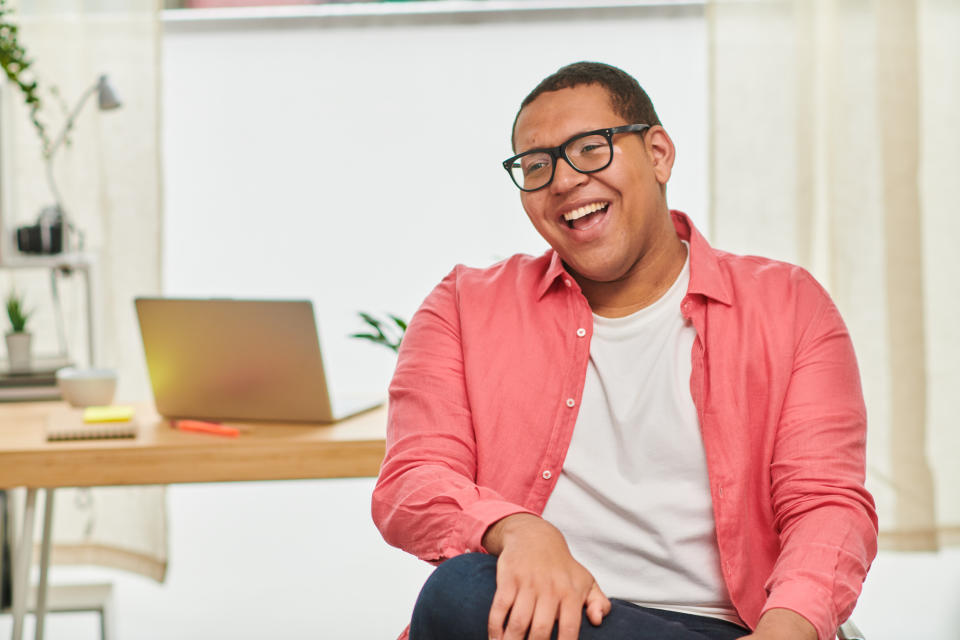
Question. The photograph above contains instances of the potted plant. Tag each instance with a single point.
(18, 338)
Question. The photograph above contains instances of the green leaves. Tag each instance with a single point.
(389, 332)
(16, 312)
(16, 66)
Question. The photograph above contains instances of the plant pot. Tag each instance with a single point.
(18, 352)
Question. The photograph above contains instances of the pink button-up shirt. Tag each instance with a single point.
(488, 384)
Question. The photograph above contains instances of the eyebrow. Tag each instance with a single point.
(567, 139)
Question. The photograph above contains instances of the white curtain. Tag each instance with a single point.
(835, 145)
(110, 181)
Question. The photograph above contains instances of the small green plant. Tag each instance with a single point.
(16, 312)
(389, 332)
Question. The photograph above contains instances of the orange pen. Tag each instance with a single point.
(202, 426)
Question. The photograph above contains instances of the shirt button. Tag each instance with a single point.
(546, 475)
(571, 402)
(581, 332)
(567, 282)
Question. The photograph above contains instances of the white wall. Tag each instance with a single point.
(355, 162)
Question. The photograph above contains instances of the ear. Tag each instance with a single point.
(661, 151)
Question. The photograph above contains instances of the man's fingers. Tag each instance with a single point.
(568, 620)
(598, 605)
(544, 617)
(502, 601)
(520, 615)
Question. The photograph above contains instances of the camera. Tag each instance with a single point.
(45, 236)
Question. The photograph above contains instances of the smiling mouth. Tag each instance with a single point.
(585, 216)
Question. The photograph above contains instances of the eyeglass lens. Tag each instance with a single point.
(585, 154)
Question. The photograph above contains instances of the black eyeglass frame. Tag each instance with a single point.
(561, 152)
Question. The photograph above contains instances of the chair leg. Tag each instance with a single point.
(106, 618)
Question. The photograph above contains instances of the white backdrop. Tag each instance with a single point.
(355, 162)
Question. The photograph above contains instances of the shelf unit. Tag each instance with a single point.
(60, 265)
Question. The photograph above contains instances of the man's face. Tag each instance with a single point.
(602, 224)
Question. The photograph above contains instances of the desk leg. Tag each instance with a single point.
(41, 609)
(21, 565)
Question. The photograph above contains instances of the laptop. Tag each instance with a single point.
(226, 359)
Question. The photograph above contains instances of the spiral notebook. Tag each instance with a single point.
(69, 424)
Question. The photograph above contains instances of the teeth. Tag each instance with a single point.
(584, 210)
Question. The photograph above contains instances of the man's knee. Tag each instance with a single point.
(455, 600)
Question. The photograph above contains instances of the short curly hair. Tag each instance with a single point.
(627, 97)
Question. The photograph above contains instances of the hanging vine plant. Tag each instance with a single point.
(16, 66)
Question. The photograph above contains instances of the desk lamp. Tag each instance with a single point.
(107, 100)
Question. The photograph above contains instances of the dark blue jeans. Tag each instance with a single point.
(455, 602)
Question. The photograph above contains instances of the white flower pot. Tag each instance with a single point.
(18, 352)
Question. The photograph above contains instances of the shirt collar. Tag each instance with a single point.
(553, 272)
(706, 277)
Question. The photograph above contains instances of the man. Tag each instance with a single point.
(634, 435)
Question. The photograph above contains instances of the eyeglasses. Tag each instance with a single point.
(587, 152)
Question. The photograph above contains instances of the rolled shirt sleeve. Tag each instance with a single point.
(825, 518)
(427, 501)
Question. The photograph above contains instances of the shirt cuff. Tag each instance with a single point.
(809, 601)
(477, 518)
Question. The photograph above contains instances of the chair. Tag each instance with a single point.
(97, 598)
(849, 631)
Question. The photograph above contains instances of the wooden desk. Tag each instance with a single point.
(162, 455)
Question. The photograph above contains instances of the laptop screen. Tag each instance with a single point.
(234, 359)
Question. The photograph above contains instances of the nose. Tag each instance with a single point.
(565, 177)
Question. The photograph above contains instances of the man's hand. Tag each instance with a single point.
(783, 624)
(538, 582)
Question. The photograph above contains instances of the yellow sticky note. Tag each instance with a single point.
(112, 413)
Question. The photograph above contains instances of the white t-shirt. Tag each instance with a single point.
(633, 498)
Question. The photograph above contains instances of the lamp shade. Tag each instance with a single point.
(106, 95)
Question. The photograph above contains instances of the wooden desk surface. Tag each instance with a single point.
(162, 455)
